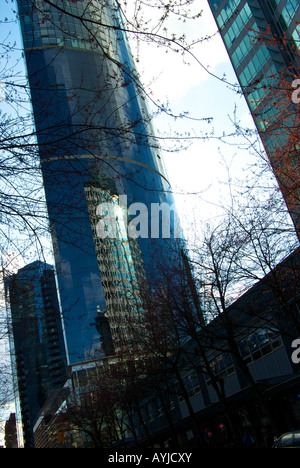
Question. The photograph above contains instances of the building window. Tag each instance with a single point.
(258, 344)
(222, 366)
(237, 26)
(191, 385)
(296, 36)
(170, 405)
(226, 12)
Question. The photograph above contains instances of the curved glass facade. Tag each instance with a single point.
(96, 145)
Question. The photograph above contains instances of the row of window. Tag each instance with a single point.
(289, 10)
(229, 7)
(191, 384)
(155, 406)
(243, 49)
(222, 366)
(258, 344)
(50, 27)
(296, 36)
(237, 26)
(255, 66)
(262, 92)
(255, 346)
(288, 17)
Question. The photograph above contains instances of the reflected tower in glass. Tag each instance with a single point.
(96, 147)
(262, 39)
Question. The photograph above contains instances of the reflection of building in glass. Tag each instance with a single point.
(266, 70)
(120, 263)
(91, 118)
(37, 344)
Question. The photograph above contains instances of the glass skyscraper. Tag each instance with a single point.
(36, 340)
(97, 147)
(262, 38)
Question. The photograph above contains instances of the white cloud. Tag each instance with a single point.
(172, 74)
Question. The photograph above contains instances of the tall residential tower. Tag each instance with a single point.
(102, 168)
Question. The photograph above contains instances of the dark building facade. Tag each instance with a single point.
(262, 38)
(206, 397)
(97, 149)
(37, 344)
(221, 404)
(11, 432)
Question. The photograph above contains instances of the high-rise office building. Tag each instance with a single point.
(97, 150)
(262, 38)
(37, 343)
